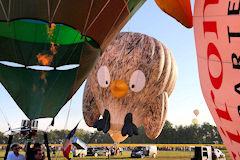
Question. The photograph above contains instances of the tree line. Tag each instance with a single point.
(191, 134)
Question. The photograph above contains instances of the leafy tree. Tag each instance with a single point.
(170, 134)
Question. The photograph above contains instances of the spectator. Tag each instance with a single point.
(36, 146)
(120, 150)
(14, 154)
(70, 155)
(38, 155)
(53, 150)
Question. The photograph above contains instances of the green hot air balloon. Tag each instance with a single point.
(55, 33)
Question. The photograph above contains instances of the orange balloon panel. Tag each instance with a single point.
(178, 9)
(217, 36)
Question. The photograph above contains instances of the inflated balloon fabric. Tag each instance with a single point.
(178, 9)
(130, 87)
(55, 33)
(196, 112)
(217, 36)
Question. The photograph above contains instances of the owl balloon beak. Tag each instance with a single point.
(119, 88)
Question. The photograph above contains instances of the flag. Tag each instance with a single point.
(67, 143)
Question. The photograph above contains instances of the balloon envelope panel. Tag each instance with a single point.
(135, 76)
(216, 28)
(55, 33)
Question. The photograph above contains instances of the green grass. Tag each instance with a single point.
(162, 155)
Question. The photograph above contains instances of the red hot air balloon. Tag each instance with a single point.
(217, 35)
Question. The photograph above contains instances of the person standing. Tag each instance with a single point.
(120, 150)
(70, 155)
(14, 154)
(38, 155)
(31, 152)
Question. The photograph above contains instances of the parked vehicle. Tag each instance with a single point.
(203, 153)
(219, 154)
(96, 151)
(207, 153)
(142, 151)
(79, 152)
(78, 143)
(90, 151)
(80, 147)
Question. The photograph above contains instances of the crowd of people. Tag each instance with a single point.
(34, 153)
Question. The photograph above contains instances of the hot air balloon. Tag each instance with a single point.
(54, 33)
(178, 9)
(130, 86)
(195, 121)
(196, 112)
(217, 37)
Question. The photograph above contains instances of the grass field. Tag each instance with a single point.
(162, 155)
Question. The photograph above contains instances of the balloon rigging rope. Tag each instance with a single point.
(33, 44)
(89, 11)
(97, 16)
(70, 53)
(123, 45)
(80, 58)
(212, 60)
(55, 11)
(48, 3)
(125, 41)
(16, 44)
(215, 16)
(82, 36)
(116, 20)
(9, 9)
(65, 126)
(5, 117)
(4, 11)
(13, 41)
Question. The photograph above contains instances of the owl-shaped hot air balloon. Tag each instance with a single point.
(130, 86)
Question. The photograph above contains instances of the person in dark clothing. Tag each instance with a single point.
(36, 147)
(37, 154)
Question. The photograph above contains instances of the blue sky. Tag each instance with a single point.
(186, 96)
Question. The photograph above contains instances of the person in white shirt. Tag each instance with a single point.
(14, 154)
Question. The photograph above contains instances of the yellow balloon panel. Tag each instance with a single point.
(195, 121)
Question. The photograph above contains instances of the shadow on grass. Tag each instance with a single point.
(107, 158)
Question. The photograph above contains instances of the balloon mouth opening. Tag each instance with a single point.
(48, 38)
(40, 68)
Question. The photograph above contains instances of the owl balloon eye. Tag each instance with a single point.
(137, 81)
(103, 76)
